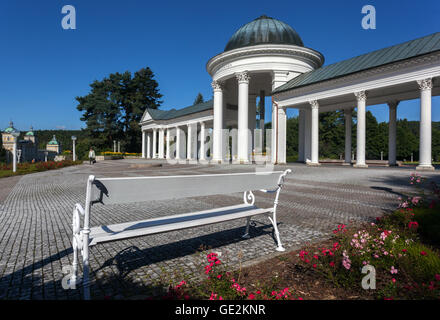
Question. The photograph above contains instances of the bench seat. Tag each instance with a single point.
(171, 223)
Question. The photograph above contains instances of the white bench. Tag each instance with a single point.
(140, 189)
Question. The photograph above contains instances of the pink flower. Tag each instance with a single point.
(393, 270)
(437, 277)
(252, 296)
(423, 253)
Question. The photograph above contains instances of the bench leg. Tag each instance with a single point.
(74, 277)
(277, 233)
(246, 233)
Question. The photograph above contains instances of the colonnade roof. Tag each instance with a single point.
(399, 52)
(173, 113)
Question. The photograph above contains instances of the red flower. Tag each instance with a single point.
(423, 253)
(332, 264)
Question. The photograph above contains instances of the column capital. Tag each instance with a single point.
(361, 95)
(314, 104)
(393, 104)
(243, 77)
(425, 84)
(348, 111)
(217, 85)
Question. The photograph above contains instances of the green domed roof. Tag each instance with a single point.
(10, 128)
(264, 30)
(30, 132)
(53, 141)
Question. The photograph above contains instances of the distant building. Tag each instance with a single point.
(53, 145)
(27, 148)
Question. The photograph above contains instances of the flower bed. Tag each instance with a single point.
(401, 248)
(25, 168)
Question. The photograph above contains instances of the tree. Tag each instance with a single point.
(199, 99)
(114, 108)
(331, 134)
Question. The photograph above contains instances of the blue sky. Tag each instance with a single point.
(43, 67)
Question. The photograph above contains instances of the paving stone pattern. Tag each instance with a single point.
(36, 217)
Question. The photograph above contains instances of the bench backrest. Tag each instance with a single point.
(139, 189)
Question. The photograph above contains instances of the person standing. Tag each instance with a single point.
(91, 156)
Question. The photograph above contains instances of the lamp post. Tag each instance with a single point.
(15, 136)
(73, 149)
(19, 152)
(45, 155)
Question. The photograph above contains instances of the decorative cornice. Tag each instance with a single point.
(217, 85)
(243, 77)
(361, 96)
(425, 84)
(311, 56)
(314, 104)
(355, 77)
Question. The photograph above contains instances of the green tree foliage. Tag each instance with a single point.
(292, 137)
(407, 140)
(199, 99)
(2, 152)
(114, 108)
(332, 134)
(332, 137)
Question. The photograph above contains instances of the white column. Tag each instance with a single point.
(361, 126)
(243, 118)
(202, 141)
(252, 122)
(282, 135)
(218, 155)
(274, 142)
(189, 144)
(392, 133)
(262, 114)
(154, 143)
(161, 143)
(74, 150)
(14, 155)
(278, 78)
(168, 155)
(143, 143)
(301, 131)
(148, 145)
(307, 135)
(314, 134)
(178, 143)
(425, 160)
(348, 124)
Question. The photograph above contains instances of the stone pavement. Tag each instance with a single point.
(36, 215)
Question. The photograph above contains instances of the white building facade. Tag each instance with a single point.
(266, 57)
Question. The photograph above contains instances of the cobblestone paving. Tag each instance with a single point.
(35, 225)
